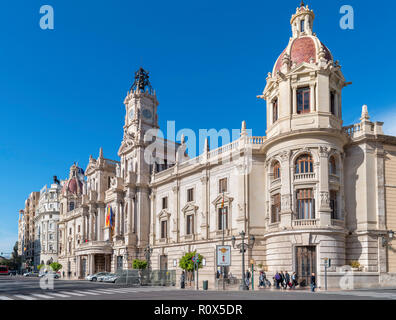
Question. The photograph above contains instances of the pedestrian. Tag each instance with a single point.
(313, 282)
(261, 280)
(287, 280)
(182, 280)
(277, 279)
(294, 280)
(247, 279)
(283, 280)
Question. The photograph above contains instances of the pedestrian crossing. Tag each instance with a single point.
(365, 294)
(74, 294)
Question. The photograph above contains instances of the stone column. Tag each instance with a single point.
(205, 206)
(286, 210)
(176, 201)
(101, 224)
(312, 97)
(324, 194)
(336, 107)
(294, 100)
(117, 219)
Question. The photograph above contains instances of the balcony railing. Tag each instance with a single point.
(305, 223)
(304, 176)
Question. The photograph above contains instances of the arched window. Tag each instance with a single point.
(304, 164)
(71, 206)
(332, 165)
(276, 169)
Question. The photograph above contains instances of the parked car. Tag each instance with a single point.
(110, 278)
(94, 277)
(50, 274)
(31, 274)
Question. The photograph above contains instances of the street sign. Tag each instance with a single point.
(223, 256)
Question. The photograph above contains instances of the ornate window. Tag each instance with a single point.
(165, 203)
(332, 165)
(276, 168)
(190, 195)
(332, 103)
(164, 229)
(222, 215)
(302, 25)
(305, 204)
(334, 205)
(223, 185)
(303, 100)
(304, 164)
(276, 208)
(275, 110)
(190, 224)
(71, 206)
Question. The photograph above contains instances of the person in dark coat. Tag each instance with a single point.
(287, 280)
(313, 282)
(182, 280)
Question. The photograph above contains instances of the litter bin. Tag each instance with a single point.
(205, 285)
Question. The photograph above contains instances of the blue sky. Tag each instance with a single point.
(62, 90)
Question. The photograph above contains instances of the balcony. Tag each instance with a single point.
(305, 224)
(304, 176)
(275, 183)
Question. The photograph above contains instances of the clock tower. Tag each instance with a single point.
(141, 124)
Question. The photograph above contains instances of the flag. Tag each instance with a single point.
(222, 202)
(110, 217)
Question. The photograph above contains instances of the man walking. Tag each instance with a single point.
(287, 280)
(313, 282)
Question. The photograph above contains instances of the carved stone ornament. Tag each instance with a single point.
(285, 204)
(324, 199)
(324, 151)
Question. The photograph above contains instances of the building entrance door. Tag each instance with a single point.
(119, 263)
(305, 263)
(84, 267)
(163, 262)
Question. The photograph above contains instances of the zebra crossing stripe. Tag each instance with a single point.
(5, 298)
(42, 296)
(87, 292)
(72, 293)
(101, 291)
(21, 296)
(58, 295)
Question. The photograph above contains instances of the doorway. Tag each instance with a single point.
(305, 263)
(163, 262)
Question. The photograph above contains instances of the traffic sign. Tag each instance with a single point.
(223, 256)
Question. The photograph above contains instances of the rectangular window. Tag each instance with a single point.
(79, 228)
(190, 195)
(302, 25)
(276, 208)
(223, 185)
(164, 224)
(305, 204)
(165, 203)
(303, 100)
(332, 103)
(334, 205)
(190, 224)
(222, 218)
(275, 110)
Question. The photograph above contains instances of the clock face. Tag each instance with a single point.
(147, 114)
(131, 113)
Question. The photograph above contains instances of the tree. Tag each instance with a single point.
(187, 264)
(55, 266)
(139, 264)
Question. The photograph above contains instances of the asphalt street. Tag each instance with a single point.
(20, 288)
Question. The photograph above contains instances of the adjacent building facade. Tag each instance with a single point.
(311, 189)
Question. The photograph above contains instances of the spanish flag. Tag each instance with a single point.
(109, 217)
(222, 202)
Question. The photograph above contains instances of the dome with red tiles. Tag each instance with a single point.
(73, 186)
(303, 49)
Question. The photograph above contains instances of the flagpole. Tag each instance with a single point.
(222, 209)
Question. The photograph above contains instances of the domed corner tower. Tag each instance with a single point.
(304, 165)
(304, 89)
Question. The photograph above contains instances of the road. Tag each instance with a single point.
(19, 288)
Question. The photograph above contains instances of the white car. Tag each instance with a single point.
(110, 278)
(96, 276)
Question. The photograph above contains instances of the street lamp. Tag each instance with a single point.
(242, 249)
(388, 238)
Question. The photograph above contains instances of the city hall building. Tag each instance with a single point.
(311, 189)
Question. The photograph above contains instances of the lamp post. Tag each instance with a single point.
(389, 237)
(242, 249)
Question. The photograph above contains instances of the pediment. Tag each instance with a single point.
(190, 207)
(303, 68)
(164, 213)
(219, 199)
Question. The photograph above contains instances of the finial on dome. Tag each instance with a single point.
(101, 152)
(365, 114)
(302, 3)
